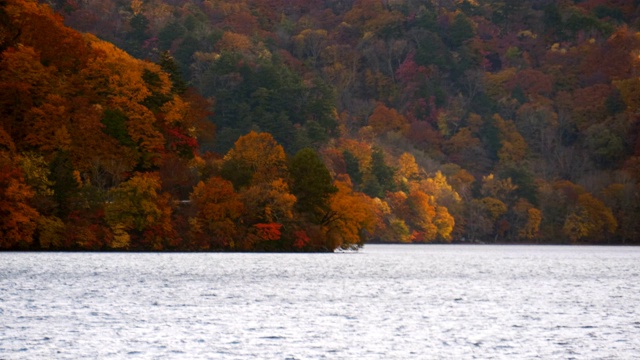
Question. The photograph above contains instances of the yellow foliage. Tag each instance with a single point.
(531, 229)
(136, 6)
(121, 239)
(591, 218)
(408, 168)
(269, 202)
(260, 153)
(514, 147)
(496, 84)
(444, 222)
(495, 208)
(51, 232)
(134, 204)
(500, 189)
(36, 173)
(439, 187)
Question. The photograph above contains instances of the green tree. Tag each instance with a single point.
(312, 184)
(384, 173)
(353, 167)
(461, 30)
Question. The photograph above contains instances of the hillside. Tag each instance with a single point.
(440, 121)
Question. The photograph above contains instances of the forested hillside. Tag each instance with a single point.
(311, 125)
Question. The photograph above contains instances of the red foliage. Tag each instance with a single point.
(301, 239)
(270, 231)
(178, 140)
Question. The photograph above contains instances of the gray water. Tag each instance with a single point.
(385, 302)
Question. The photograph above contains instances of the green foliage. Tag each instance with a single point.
(461, 30)
(153, 82)
(269, 97)
(311, 184)
(65, 186)
(606, 146)
(169, 33)
(524, 179)
(168, 65)
(383, 173)
(352, 167)
(115, 125)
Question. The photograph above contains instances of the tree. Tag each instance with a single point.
(513, 148)
(461, 30)
(218, 209)
(590, 218)
(268, 202)
(408, 168)
(353, 167)
(134, 206)
(383, 120)
(422, 212)
(17, 217)
(168, 64)
(311, 184)
(527, 220)
(352, 216)
(383, 173)
(255, 158)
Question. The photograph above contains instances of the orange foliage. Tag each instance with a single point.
(514, 147)
(234, 42)
(218, 208)
(261, 154)
(17, 217)
(352, 215)
(383, 120)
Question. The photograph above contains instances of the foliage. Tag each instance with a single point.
(312, 184)
(307, 126)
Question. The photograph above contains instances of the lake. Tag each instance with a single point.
(384, 302)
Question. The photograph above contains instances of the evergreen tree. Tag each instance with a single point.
(312, 184)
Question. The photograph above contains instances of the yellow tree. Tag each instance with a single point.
(310, 43)
(444, 222)
(590, 218)
(269, 202)
(439, 187)
(408, 168)
(255, 158)
(134, 207)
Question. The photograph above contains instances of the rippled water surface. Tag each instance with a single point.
(385, 302)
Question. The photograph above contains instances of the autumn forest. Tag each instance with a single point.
(291, 125)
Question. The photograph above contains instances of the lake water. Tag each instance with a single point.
(385, 302)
